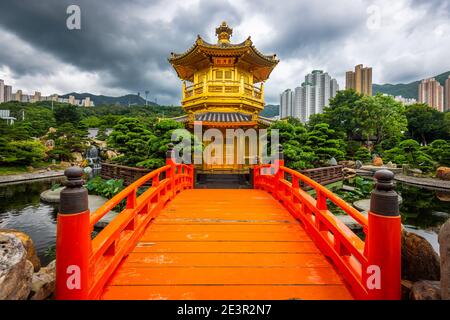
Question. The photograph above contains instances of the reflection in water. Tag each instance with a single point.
(423, 208)
(21, 209)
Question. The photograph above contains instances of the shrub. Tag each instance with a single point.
(363, 155)
(23, 152)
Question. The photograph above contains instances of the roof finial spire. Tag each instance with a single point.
(224, 33)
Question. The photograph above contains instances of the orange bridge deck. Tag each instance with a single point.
(225, 244)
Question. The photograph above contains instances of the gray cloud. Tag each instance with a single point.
(125, 44)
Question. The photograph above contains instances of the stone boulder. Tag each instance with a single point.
(16, 271)
(426, 290)
(348, 164)
(419, 260)
(391, 165)
(332, 162)
(444, 250)
(28, 244)
(43, 282)
(78, 158)
(443, 173)
(377, 161)
(110, 154)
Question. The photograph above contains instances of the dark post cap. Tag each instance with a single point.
(384, 199)
(74, 175)
(384, 180)
(74, 197)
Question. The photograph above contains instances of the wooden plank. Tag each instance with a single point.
(224, 275)
(225, 244)
(242, 259)
(227, 227)
(220, 246)
(263, 292)
(223, 236)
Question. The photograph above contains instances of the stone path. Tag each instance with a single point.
(31, 176)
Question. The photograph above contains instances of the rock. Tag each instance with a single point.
(444, 250)
(110, 154)
(51, 130)
(426, 290)
(443, 173)
(443, 196)
(15, 270)
(101, 144)
(347, 188)
(64, 164)
(49, 144)
(358, 164)
(78, 158)
(391, 165)
(406, 289)
(51, 196)
(348, 171)
(347, 164)
(43, 282)
(419, 260)
(332, 162)
(415, 172)
(30, 168)
(377, 161)
(28, 244)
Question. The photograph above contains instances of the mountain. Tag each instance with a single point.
(409, 90)
(270, 111)
(126, 100)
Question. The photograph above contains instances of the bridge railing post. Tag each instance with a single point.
(73, 239)
(383, 274)
(170, 160)
(278, 163)
(253, 173)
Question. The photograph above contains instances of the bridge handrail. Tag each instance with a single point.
(96, 259)
(348, 209)
(118, 198)
(353, 257)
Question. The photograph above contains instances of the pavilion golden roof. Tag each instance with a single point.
(201, 55)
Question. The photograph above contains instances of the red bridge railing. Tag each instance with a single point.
(372, 267)
(83, 266)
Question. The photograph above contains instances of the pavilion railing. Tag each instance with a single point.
(83, 266)
(371, 268)
(225, 87)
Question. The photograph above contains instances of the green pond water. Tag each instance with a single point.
(423, 212)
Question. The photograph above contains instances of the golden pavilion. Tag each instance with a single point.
(223, 86)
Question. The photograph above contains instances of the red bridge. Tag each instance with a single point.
(275, 241)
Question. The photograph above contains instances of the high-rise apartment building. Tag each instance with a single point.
(8, 93)
(447, 94)
(360, 80)
(431, 92)
(36, 97)
(18, 96)
(286, 103)
(310, 98)
(2, 91)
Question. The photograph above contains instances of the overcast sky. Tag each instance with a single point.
(123, 46)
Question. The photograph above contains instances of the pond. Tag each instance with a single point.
(21, 209)
(423, 212)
